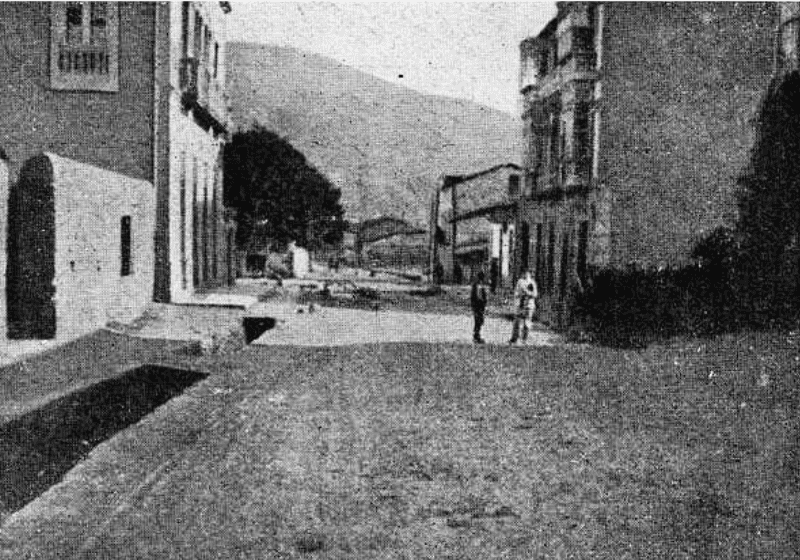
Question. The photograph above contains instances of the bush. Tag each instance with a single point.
(634, 307)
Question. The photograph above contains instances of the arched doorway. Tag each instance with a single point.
(31, 252)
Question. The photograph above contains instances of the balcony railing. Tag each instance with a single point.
(84, 59)
(202, 92)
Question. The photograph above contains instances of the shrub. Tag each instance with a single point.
(633, 307)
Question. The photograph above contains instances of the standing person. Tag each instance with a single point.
(525, 294)
(478, 299)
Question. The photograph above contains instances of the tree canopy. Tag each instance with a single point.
(278, 196)
(769, 199)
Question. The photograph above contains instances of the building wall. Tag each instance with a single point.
(196, 169)
(109, 130)
(681, 84)
(91, 284)
(198, 242)
(484, 197)
(673, 91)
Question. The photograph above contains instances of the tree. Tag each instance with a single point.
(278, 194)
(769, 200)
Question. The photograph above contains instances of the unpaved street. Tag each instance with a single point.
(435, 451)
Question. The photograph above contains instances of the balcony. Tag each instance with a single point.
(203, 94)
(188, 77)
(83, 67)
(84, 59)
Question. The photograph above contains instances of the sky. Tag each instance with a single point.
(468, 50)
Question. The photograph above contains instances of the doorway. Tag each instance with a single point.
(31, 253)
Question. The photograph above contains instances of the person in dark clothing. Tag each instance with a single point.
(478, 299)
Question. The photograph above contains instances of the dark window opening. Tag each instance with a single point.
(525, 246)
(195, 228)
(98, 20)
(125, 246)
(583, 242)
(185, 28)
(184, 278)
(584, 139)
(583, 39)
(74, 23)
(562, 152)
(553, 156)
(539, 255)
(513, 185)
(565, 262)
(546, 57)
(216, 59)
(551, 258)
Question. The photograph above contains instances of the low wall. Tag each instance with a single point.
(90, 204)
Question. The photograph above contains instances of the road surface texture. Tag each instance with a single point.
(393, 451)
(327, 326)
(435, 451)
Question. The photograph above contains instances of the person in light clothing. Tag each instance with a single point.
(525, 294)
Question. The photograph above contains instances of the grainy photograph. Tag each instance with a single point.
(399, 280)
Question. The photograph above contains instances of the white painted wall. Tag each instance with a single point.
(194, 152)
(90, 203)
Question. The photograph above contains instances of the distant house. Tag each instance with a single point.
(391, 242)
(472, 224)
(138, 89)
(637, 123)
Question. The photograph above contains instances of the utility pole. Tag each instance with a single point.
(433, 228)
(452, 181)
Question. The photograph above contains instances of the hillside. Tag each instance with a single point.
(382, 144)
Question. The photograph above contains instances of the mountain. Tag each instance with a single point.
(385, 146)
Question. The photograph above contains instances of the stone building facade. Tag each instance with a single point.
(136, 88)
(788, 55)
(637, 122)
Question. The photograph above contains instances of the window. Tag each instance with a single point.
(185, 29)
(554, 152)
(216, 59)
(198, 36)
(544, 62)
(551, 258)
(195, 226)
(584, 137)
(583, 39)
(84, 46)
(513, 185)
(539, 255)
(183, 213)
(583, 243)
(214, 225)
(566, 245)
(125, 246)
(562, 152)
